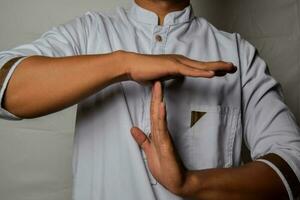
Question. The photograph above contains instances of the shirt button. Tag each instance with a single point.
(158, 38)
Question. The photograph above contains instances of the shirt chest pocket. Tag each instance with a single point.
(208, 142)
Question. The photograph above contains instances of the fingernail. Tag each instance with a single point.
(158, 84)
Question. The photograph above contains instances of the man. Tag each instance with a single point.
(189, 124)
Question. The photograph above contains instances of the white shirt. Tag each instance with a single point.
(108, 164)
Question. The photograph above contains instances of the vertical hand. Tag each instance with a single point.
(161, 155)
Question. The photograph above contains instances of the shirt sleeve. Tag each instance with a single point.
(269, 127)
(64, 40)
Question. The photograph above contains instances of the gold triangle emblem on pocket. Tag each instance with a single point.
(196, 116)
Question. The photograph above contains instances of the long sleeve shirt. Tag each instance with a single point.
(208, 118)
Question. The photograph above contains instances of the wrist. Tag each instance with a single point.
(180, 188)
(117, 58)
(123, 60)
(191, 185)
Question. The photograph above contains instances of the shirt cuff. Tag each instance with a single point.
(6, 73)
(283, 179)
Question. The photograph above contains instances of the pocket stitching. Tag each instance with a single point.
(232, 114)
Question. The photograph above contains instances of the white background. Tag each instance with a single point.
(35, 155)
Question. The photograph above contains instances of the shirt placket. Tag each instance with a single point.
(159, 37)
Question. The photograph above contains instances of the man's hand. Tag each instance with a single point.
(47, 92)
(162, 159)
(145, 68)
(244, 182)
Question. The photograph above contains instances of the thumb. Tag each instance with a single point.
(140, 138)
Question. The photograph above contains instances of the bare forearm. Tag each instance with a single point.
(255, 180)
(42, 85)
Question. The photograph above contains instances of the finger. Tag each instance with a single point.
(209, 66)
(158, 92)
(152, 107)
(164, 138)
(220, 73)
(153, 110)
(227, 67)
(157, 98)
(186, 70)
(163, 127)
(140, 138)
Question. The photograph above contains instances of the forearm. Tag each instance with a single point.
(255, 180)
(42, 85)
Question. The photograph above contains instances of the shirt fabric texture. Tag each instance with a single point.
(247, 105)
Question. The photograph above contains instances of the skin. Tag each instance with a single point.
(38, 87)
(244, 182)
(163, 7)
(40, 82)
(255, 180)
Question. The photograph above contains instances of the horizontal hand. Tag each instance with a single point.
(143, 68)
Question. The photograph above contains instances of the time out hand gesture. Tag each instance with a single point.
(162, 160)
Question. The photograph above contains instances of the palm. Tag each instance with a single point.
(145, 68)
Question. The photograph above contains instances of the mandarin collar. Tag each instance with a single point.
(146, 16)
